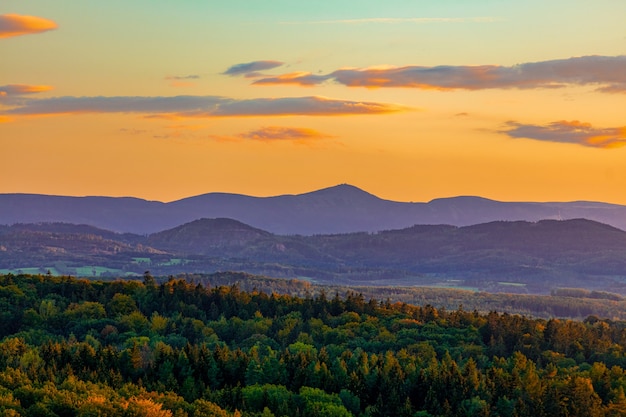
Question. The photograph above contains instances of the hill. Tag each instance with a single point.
(340, 209)
(500, 256)
(208, 236)
(63, 248)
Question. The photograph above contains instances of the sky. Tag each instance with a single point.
(409, 100)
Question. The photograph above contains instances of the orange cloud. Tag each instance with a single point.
(608, 72)
(133, 131)
(13, 94)
(16, 25)
(297, 135)
(184, 127)
(574, 132)
(271, 133)
(19, 89)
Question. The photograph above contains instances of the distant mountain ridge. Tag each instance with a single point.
(339, 209)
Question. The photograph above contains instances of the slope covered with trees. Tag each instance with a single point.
(130, 348)
(520, 257)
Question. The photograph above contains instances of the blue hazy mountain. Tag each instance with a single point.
(339, 209)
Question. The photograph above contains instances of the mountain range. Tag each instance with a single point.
(339, 209)
(500, 256)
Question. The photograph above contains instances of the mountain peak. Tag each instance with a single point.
(344, 191)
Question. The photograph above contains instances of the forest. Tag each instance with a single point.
(175, 347)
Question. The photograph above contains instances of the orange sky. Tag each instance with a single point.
(408, 100)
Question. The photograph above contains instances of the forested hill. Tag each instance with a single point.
(141, 348)
(339, 209)
(497, 257)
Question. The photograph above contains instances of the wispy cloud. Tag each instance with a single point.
(607, 72)
(133, 131)
(574, 132)
(268, 134)
(248, 69)
(181, 81)
(395, 20)
(182, 77)
(17, 25)
(12, 95)
(199, 106)
(280, 133)
(21, 89)
(304, 79)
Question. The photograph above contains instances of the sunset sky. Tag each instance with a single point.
(408, 99)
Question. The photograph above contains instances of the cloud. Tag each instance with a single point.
(182, 77)
(305, 79)
(251, 68)
(394, 20)
(310, 106)
(574, 132)
(199, 106)
(607, 72)
(132, 131)
(184, 127)
(179, 81)
(296, 135)
(271, 133)
(16, 25)
(13, 94)
(21, 89)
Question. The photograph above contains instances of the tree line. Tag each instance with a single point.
(73, 347)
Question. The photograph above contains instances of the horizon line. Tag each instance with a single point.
(477, 196)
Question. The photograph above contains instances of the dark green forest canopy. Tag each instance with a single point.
(72, 347)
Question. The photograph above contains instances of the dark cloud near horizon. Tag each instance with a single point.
(574, 132)
(252, 68)
(199, 106)
(608, 72)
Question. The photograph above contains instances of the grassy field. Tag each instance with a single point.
(142, 261)
(174, 261)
